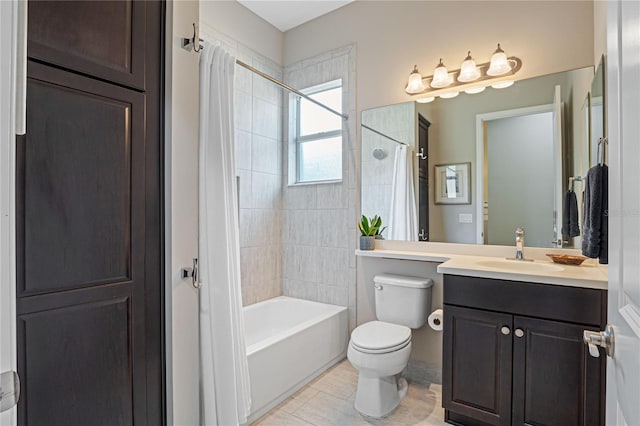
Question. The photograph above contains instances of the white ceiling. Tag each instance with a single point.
(287, 14)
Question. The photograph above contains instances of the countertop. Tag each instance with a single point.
(587, 275)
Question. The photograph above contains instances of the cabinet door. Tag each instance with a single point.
(477, 364)
(81, 278)
(555, 380)
(104, 39)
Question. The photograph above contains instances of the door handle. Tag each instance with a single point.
(9, 390)
(603, 339)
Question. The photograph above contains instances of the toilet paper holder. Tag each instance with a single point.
(435, 320)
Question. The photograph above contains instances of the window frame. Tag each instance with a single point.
(298, 140)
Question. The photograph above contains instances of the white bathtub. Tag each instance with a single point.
(290, 342)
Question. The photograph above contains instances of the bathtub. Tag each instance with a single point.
(290, 342)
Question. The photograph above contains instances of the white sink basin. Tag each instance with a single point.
(520, 266)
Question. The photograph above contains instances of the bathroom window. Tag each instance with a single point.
(318, 134)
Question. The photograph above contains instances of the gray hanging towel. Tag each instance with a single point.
(570, 224)
(595, 238)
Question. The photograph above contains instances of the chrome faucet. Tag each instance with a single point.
(520, 243)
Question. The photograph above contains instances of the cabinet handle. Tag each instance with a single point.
(519, 332)
(505, 330)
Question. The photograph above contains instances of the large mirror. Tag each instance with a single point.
(479, 165)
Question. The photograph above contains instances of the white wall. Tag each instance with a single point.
(181, 167)
(243, 26)
(392, 36)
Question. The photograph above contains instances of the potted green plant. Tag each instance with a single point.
(369, 228)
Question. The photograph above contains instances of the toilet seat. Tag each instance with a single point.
(378, 337)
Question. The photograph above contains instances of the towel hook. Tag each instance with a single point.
(192, 273)
(421, 154)
(193, 43)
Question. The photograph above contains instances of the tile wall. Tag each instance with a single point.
(258, 134)
(318, 220)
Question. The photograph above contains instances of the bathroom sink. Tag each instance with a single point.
(520, 266)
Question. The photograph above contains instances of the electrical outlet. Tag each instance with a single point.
(465, 218)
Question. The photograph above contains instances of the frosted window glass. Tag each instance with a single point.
(320, 160)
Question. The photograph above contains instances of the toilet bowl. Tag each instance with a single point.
(380, 349)
(380, 352)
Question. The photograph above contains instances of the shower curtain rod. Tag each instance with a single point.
(190, 43)
(290, 89)
(384, 136)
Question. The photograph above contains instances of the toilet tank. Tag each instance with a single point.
(402, 300)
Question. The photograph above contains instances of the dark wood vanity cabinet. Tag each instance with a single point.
(513, 353)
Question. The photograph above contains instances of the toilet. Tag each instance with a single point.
(380, 349)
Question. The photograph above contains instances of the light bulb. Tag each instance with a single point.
(468, 71)
(441, 77)
(415, 84)
(425, 100)
(499, 63)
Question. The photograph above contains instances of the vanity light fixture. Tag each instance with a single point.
(415, 84)
(441, 77)
(470, 78)
(426, 100)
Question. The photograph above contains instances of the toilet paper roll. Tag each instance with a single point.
(435, 320)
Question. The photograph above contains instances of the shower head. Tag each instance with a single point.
(379, 154)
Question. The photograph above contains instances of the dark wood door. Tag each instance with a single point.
(423, 178)
(89, 230)
(555, 380)
(476, 371)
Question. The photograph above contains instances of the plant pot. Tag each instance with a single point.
(367, 242)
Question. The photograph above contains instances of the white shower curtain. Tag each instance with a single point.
(403, 217)
(225, 389)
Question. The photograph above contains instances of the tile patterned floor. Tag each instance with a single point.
(328, 401)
